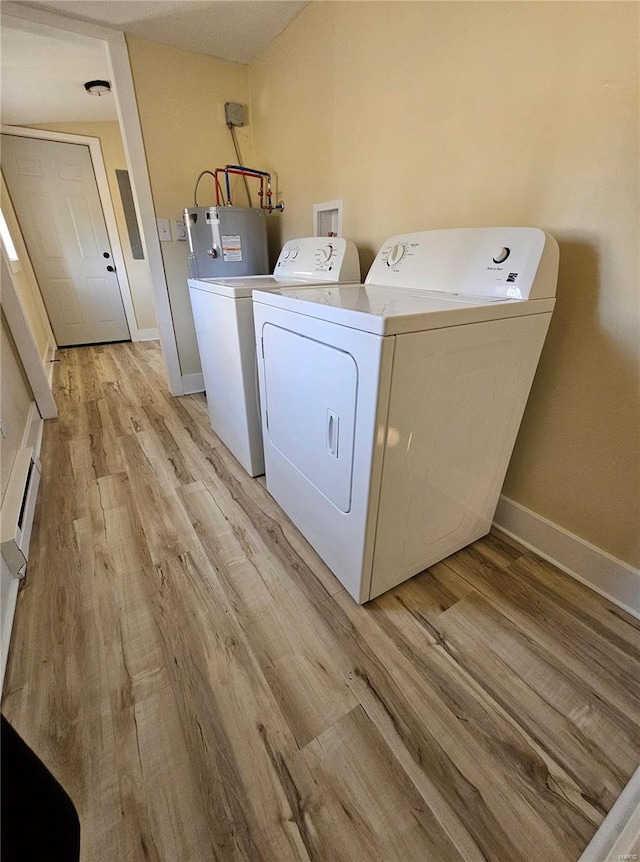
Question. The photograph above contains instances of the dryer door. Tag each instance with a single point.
(310, 404)
(324, 393)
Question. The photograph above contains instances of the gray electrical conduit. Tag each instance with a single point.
(240, 162)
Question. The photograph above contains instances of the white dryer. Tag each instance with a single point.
(223, 316)
(391, 408)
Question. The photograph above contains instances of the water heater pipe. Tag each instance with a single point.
(241, 170)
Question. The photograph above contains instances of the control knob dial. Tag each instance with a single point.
(501, 254)
(396, 253)
(325, 253)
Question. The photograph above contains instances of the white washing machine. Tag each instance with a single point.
(391, 408)
(223, 316)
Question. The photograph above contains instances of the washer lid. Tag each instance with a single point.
(387, 310)
(241, 286)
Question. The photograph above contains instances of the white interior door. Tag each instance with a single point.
(56, 198)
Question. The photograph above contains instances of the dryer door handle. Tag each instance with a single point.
(333, 429)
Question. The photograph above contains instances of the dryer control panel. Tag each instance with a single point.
(326, 258)
(505, 263)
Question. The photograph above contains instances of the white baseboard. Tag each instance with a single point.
(192, 383)
(618, 836)
(33, 431)
(9, 592)
(145, 335)
(9, 584)
(612, 578)
(51, 365)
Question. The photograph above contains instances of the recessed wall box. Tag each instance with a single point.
(327, 218)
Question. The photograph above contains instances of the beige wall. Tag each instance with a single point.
(114, 159)
(428, 115)
(181, 99)
(26, 284)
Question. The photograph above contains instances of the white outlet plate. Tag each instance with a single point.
(179, 231)
(164, 229)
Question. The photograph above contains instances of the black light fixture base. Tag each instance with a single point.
(98, 88)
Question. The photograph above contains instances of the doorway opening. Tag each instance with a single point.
(33, 23)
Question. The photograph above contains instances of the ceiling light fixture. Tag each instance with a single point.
(97, 88)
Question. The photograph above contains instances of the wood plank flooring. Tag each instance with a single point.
(205, 689)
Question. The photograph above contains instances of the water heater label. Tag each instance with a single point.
(231, 248)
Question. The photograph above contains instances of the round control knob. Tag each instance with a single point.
(501, 254)
(325, 253)
(294, 253)
(396, 253)
(286, 254)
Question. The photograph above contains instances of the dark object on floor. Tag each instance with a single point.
(39, 820)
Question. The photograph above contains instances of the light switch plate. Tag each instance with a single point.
(164, 229)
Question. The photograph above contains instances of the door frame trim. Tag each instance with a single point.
(100, 173)
(33, 364)
(37, 20)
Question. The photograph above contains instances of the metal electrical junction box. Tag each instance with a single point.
(233, 114)
(226, 241)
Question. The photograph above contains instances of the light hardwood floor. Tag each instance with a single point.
(203, 687)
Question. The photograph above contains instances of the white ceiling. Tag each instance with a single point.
(43, 76)
(232, 29)
(51, 90)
